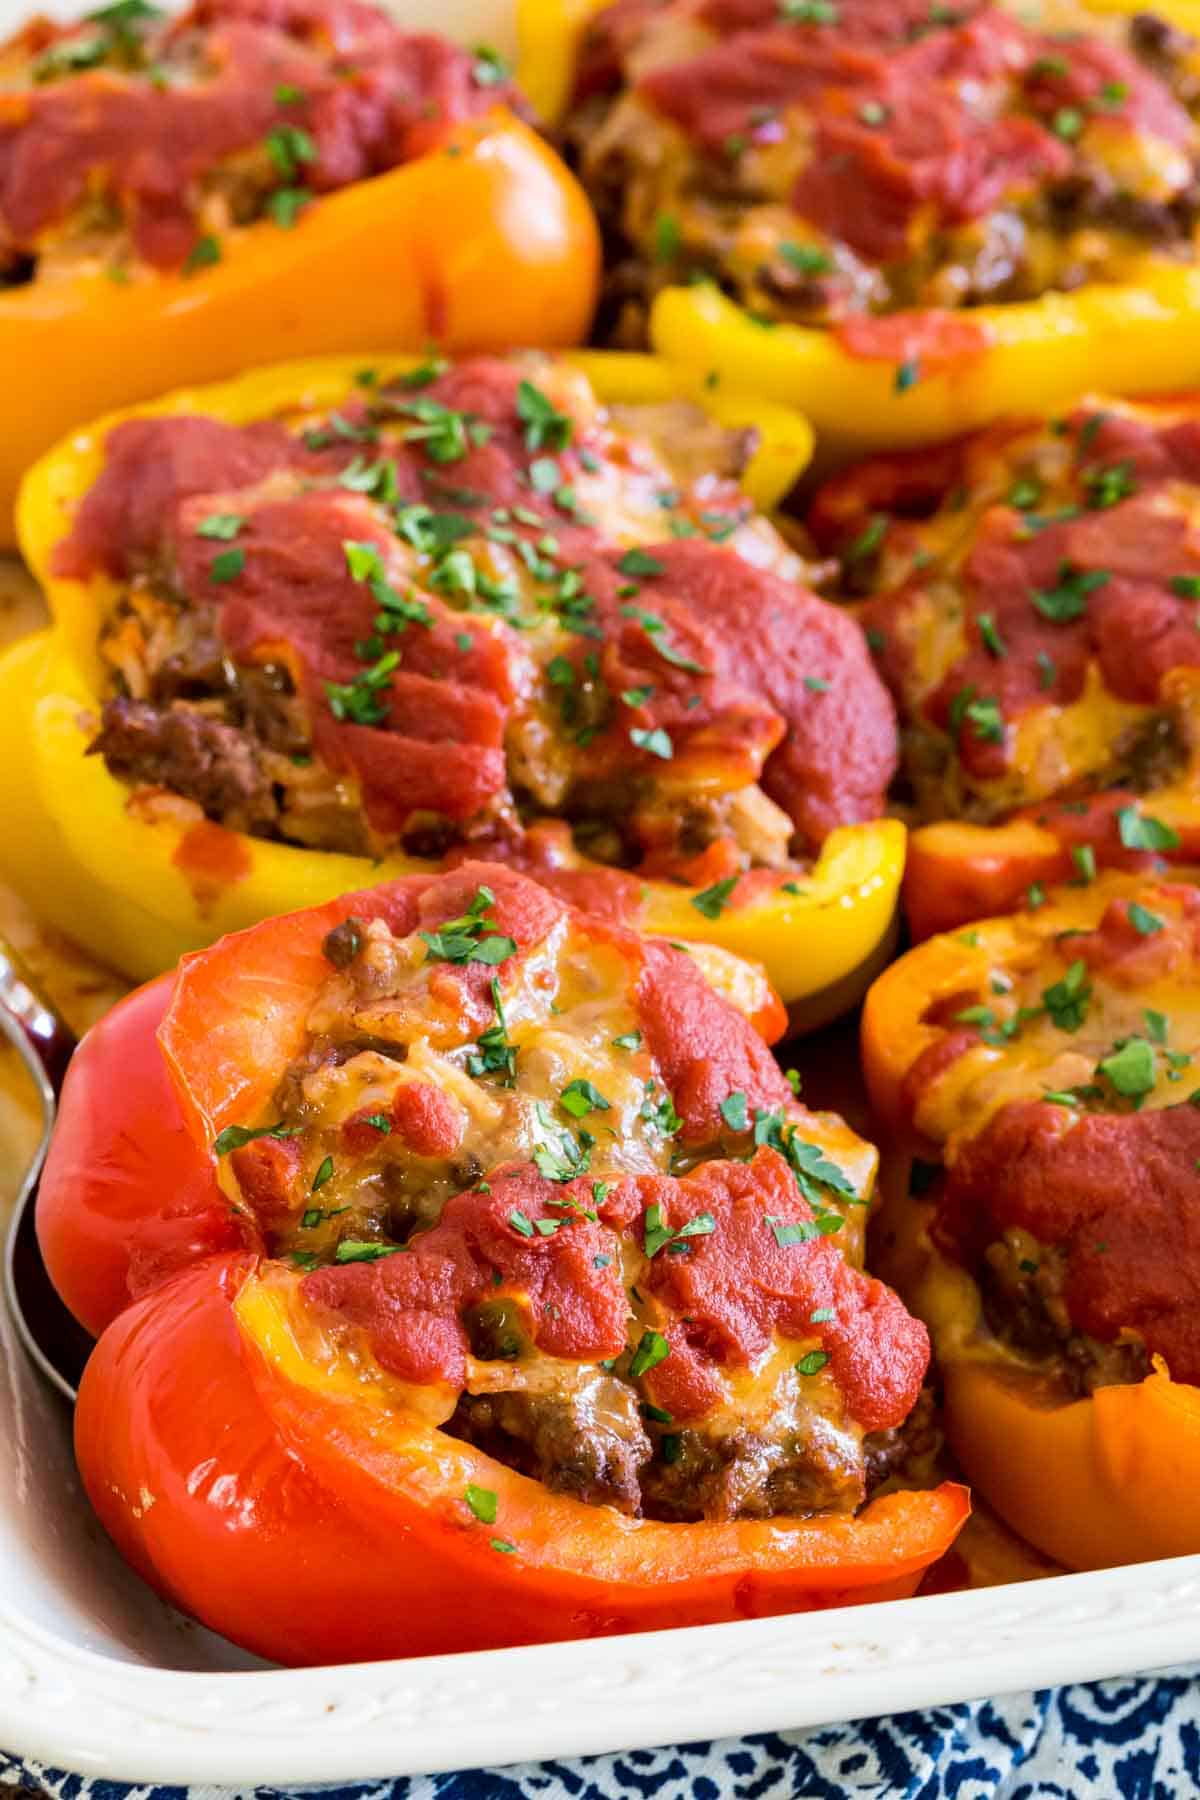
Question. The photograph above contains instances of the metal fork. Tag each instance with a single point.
(53, 1338)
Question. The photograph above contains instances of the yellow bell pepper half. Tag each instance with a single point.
(1028, 356)
(119, 878)
(483, 244)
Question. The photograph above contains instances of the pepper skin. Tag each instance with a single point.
(355, 1541)
(322, 1521)
(975, 366)
(140, 892)
(1093, 1481)
(485, 243)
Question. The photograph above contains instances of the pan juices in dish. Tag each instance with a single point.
(339, 619)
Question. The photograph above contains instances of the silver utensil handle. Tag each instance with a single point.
(31, 1023)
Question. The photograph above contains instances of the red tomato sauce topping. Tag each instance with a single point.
(695, 657)
(894, 130)
(1116, 1194)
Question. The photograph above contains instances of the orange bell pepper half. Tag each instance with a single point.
(334, 1519)
(484, 243)
(1023, 1032)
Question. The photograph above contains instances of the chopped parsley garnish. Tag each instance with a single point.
(1144, 922)
(352, 1250)
(628, 1040)
(1067, 123)
(1108, 486)
(1035, 896)
(290, 147)
(223, 526)
(472, 937)
(445, 435)
(659, 1110)
(203, 254)
(379, 1122)
(993, 643)
(812, 1363)
(1084, 858)
(1139, 831)
(1066, 1000)
(323, 1174)
(520, 1222)
(503, 1546)
(579, 1098)
(712, 901)
(659, 1236)
(1157, 1025)
(1025, 492)
(656, 628)
(868, 540)
(482, 1502)
(495, 1055)
(1129, 1069)
(807, 258)
(227, 566)
(560, 1156)
(1047, 670)
(357, 702)
(490, 68)
(667, 237)
(546, 427)
(824, 1315)
(1069, 599)
(809, 1164)
(1187, 585)
(654, 743)
(234, 1136)
(652, 1349)
(287, 203)
(639, 562)
(907, 375)
(734, 1111)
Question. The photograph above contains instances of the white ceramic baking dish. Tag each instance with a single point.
(97, 1676)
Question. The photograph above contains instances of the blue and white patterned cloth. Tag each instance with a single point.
(1136, 1739)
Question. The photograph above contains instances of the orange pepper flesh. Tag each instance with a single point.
(1091, 1482)
(485, 244)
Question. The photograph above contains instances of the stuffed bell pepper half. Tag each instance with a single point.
(468, 1274)
(906, 217)
(1032, 596)
(184, 197)
(1040, 1078)
(333, 622)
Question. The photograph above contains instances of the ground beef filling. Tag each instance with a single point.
(465, 605)
(823, 163)
(636, 1284)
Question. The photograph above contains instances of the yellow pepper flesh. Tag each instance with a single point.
(119, 876)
